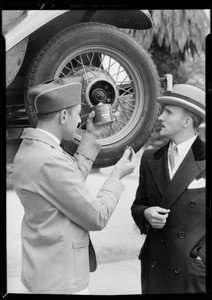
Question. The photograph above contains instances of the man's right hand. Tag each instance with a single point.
(124, 166)
(156, 216)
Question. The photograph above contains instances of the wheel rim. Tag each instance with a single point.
(109, 77)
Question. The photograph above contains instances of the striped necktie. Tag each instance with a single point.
(172, 156)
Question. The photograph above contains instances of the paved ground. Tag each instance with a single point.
(117, 278)
(117, 245)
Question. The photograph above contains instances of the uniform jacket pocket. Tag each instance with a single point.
(81, 259)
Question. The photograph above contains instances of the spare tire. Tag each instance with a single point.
(113, 63)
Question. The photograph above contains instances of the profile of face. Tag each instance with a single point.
(71, 121)
(172, 120)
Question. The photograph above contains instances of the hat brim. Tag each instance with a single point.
(169, 100)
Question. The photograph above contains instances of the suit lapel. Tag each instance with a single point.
(159, 170)
(186, 173)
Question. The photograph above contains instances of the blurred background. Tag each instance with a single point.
(176, 43)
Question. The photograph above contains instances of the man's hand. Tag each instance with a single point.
(124, 166)
(156, 216)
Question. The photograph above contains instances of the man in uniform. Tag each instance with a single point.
(59, 209)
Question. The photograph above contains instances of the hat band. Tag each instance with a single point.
(187, 99)
(188, 106)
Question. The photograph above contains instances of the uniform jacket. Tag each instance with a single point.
(59, 212)
(168, 255)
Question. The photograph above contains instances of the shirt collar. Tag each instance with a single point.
(184, 145)
(51, 135)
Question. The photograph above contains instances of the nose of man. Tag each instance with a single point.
(161, 119)
(161, 116)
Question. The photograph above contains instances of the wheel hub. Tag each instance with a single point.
(101, 91)
(98, 94)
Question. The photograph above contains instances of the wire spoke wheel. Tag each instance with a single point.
(116, 70)
(109, 79)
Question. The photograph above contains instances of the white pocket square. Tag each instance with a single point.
(196, 184)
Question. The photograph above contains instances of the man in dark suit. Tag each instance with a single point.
(169, 206)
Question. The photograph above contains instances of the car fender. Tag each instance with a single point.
(33, 20)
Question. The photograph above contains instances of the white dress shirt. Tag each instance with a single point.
(183, 149)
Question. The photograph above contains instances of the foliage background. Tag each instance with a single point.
(176, 43)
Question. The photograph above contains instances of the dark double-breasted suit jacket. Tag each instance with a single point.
(169, 255)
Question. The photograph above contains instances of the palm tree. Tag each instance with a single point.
(175, 36)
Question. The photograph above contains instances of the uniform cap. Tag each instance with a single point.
(186, 96)
(56, 94)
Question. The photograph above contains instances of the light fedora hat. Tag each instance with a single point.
(186, 96)
(56, 94)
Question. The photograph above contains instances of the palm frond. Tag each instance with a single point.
(177, 30)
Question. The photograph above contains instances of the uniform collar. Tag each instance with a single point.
(50, 134)
(40, 135)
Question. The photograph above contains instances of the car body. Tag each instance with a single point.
(30, 39)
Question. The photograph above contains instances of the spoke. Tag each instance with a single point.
(64, 75)
(110, 65)
(90, 60)
(83, 123)
(127, 101)
(102, 133)
(72, 67)
(126, 92)
(111, 129)
(82, 116)
(118, 73)
(123, 109)
(99, 69)
(121, 121)
(79, 129)
(118, 122)
(82, 63)
(124, 80)
(128, 108)
(85, 67)
(66, 67)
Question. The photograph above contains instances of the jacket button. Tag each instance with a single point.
(177, 271)
(181, 235)
(192, 204)
(154, 263)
